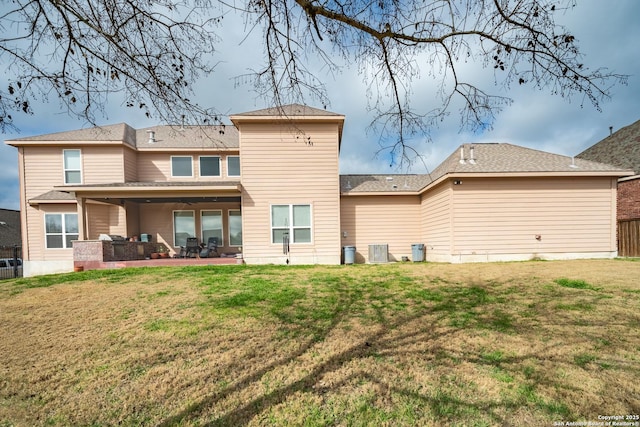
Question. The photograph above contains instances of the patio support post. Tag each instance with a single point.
(82, 218)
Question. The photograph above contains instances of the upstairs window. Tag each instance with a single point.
(181, 166)
(210, 166)
(60, 230)
(291, 220)
(72, 167)
(233, 165)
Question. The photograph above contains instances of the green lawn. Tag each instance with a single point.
(529, 343)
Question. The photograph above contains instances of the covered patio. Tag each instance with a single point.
(141, 218)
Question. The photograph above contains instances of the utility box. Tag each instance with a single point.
(378, 253)
(349, 254)
(417, 252)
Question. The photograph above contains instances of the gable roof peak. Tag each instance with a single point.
(289, 110)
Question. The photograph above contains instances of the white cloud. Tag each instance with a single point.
(607, 33)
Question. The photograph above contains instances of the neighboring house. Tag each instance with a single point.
(10, 228)
(274, 173)
(622, 149)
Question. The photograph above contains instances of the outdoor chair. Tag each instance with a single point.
(192, 247)
(211, 250)
(182, 253)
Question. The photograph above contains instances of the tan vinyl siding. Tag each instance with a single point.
(105, 219)
(385, 219)
(130, 165)
(504, 216)
(436, 222)
(44, 167)
(102, 165)
(37, 235)
(153, 167)
(132, 211)
(98, 220)
(42, 170)
(280, 166)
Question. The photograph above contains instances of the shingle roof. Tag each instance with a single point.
(10, 228)
(509, 158)
(383, 183)
(622, 148)
(487, 158)
(219, 136)
(117, 132)
(55, 195)
(290, 110)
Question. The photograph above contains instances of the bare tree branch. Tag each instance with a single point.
(152, 53)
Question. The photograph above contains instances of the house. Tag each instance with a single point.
(269, 186)
(9, 228)
(622, 149)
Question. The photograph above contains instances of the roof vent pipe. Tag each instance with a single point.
(610, 130)
(472, 159)
(182, 122)
(152, 137)
(462, 155)
(573, 163)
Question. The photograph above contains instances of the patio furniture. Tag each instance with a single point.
(211, 250)
(193, 247)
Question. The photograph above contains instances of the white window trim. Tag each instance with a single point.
(220, 243)
(291, 227)
(229, 226)
(173, 223)
(65, 170)
(63, 233)
(181, 176)
(219, 166)
(228, 174)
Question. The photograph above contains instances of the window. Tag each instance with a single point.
(292, 220)
(72, 167)
(210, 166)
(184, 225)
(211, 223)
(235, 228)
(60, 230)
(181, 166)
(233, 165)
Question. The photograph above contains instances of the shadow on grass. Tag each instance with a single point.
(436, 313)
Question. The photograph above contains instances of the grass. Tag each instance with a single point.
(402, 344)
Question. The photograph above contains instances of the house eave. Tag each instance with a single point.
(378, 193)
(154, 187)
(540, 174)
(83, 143)
(629, 178)
(555, 174)
(36, 201)
(150, 148)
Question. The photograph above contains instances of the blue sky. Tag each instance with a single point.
(607, 32)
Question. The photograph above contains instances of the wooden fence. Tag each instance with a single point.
(629, 238)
